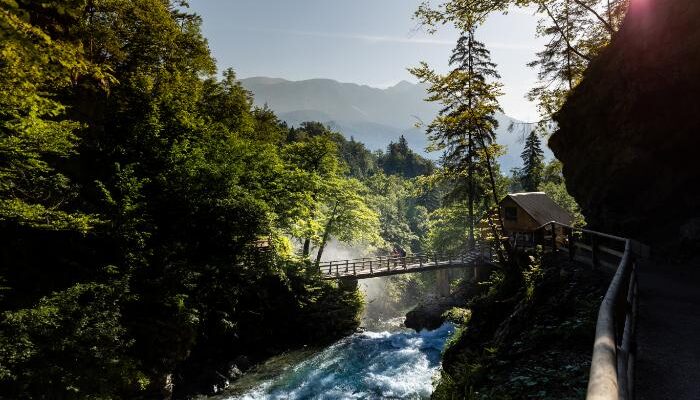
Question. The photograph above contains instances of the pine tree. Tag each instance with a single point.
(533, 164)
(466, 124)
(576, 32)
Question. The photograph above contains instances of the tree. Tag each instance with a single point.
(391, 199)
(347, 217)
(533, 164)
(553, 184)
(399, 159)
(36, 134)
(315, 159)
(135, 190)
(334, 205)
(467, 120)
(577, 30)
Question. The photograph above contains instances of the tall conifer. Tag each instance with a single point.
(533, 162)
(466, 124)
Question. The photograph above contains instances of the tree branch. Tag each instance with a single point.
(563, 35)
(605, 23)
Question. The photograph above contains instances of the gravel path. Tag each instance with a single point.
(668, 332)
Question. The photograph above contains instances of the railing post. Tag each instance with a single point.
(572, 247)
(420, 260)
(353, 269)
(594, 251)
(336, 269)
(370, 267)
(347, 266)
(554, 238)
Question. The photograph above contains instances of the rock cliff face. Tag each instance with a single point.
(629, 135)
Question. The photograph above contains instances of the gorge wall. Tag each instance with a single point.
(628, 135)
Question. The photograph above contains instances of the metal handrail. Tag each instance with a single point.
(612, 365)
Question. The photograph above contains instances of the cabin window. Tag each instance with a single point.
(511, 213)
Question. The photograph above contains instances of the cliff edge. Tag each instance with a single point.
(629, 134)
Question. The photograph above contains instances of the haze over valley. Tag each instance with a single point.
(370, 115)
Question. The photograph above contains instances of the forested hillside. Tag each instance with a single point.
(161, 232)
(157, 225)
(147, 209)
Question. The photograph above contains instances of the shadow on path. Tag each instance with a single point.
(668, 332)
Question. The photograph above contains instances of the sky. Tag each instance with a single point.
(369, 42)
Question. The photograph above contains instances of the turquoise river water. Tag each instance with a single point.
(399, 364)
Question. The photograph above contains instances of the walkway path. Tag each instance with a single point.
(668, 332)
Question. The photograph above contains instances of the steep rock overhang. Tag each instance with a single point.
(629, 134)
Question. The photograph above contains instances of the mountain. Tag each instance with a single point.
(370, 115)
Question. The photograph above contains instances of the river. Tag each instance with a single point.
(386, 361)
(368, 365)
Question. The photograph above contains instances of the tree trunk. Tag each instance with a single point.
(470, 177)
(306, 251)
(470, 151)
(326, 234)
(307, 247)
(502, 257)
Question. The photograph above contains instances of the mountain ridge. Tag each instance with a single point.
(370, 115)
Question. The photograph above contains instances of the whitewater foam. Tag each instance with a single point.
(369, 365)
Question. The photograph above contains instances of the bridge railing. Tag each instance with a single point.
(389, 264)
(612, 366)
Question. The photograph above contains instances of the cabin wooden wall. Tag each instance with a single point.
(524, 223)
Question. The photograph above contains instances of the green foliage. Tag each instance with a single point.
(448, 232)
(35, 133)
(554, 185)
(392, 197)
(146, 205)
(530, 340)
(458, 316)
(465, 126)
(533, 273)
(576, 32)
(399, 159)
(70, 345)
(533, 164)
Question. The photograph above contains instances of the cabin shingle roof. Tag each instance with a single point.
(542, 208)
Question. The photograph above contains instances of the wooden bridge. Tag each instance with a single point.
(613, 361)
(363, 268)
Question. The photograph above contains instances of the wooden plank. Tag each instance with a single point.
(609, 265)
(583, 246)
(611, 251)
(583, 259)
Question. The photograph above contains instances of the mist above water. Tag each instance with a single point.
(386, 361)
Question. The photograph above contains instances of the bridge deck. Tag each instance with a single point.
(386, 266)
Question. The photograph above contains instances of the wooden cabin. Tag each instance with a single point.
(523, 213)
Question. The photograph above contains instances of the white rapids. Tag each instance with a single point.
(369, 365)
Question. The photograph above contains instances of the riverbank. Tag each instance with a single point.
(527, 336)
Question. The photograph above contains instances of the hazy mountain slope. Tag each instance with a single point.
(370, 115)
